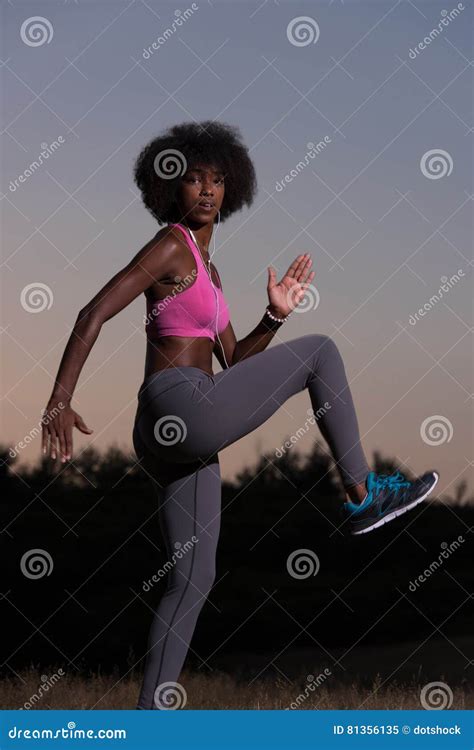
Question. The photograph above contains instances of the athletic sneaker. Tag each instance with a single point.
(388, 496)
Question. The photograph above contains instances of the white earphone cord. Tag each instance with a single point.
(212, 283)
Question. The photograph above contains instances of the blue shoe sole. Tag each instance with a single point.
(399, 512)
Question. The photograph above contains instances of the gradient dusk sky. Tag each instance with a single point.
(384, 208)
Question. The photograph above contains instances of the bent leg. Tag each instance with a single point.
(264, 382)
(215, 411)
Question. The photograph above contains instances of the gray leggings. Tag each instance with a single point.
(184, 418)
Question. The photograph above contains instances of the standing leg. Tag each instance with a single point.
(189, 500)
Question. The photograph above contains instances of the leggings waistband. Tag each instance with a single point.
(167, 377)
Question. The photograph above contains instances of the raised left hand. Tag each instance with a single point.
(286, 294)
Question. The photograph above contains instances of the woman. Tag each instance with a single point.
(191, 177)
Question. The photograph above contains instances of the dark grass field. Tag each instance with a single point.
(372, 678)
(220, 691)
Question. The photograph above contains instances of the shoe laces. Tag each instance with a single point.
(392, 482)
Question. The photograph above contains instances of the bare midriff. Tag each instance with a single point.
(179, 351)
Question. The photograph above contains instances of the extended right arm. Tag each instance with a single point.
(152, 262)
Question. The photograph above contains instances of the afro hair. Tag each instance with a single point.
(162, 162)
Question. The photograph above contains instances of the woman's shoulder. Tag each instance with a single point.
(169, 240)
(169, 232)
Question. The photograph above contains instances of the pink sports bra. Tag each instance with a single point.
(191, 311)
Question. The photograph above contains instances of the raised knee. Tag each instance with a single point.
(323, 343)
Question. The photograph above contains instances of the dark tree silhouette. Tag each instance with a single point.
(97, 519)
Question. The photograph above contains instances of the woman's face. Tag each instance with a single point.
(201, 193)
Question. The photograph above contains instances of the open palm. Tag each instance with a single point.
(286, 294)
